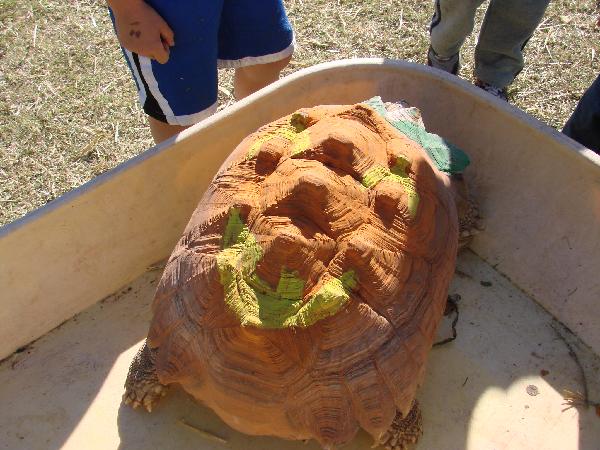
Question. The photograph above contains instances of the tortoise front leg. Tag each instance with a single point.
(142, 386)
(404, 431)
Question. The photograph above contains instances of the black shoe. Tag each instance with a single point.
(495, 91)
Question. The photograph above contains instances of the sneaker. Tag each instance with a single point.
(495, 91)
(450, 64)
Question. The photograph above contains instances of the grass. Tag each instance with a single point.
(68, 108)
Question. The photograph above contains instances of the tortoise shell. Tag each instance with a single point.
(304, 295)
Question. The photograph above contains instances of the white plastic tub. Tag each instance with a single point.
(540, 195)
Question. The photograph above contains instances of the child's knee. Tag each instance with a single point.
(282, 63)
(261, 71)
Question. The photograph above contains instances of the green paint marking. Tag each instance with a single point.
(397, 174)
(374, 175)
(255, 303)
(298, 121)
(402, 162)
(301, 143)
(235, 227)
(326, 302)
(295, 132)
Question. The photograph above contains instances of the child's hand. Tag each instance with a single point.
(142, 30)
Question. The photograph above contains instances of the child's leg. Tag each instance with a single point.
(507, 27)
(452, 22)
(161, 131)
(255, 39)
(250, 79)
(183, 91)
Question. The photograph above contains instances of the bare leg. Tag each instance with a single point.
(162, 131)
(250, 79)
(404, 432)
(142, 386)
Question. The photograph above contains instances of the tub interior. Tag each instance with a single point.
(64, 390)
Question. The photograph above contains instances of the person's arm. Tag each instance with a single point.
(141, 29)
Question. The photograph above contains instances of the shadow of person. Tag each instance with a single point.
(49, 390)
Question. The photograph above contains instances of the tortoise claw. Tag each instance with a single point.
(142, 386)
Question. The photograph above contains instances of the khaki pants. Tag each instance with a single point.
(507, 27)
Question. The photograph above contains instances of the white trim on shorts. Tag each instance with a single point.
(146, 66)
(192, 119)
(253, 60)
(138, 80)
(181, 120)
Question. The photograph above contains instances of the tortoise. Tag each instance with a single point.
(303, 298)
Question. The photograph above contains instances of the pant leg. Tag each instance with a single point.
(584, 124)
(507, 27)
(451, 23)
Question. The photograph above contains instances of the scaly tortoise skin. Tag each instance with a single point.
(303, 298)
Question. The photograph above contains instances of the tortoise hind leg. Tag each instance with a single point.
(404, 431)
(142, 386)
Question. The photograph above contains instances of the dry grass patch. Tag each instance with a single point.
(68, 107)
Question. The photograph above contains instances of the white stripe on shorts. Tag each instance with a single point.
(138, 80)
(192, 119)
(182, 120)
(146, 65)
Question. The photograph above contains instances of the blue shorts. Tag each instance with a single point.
(209, 34)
